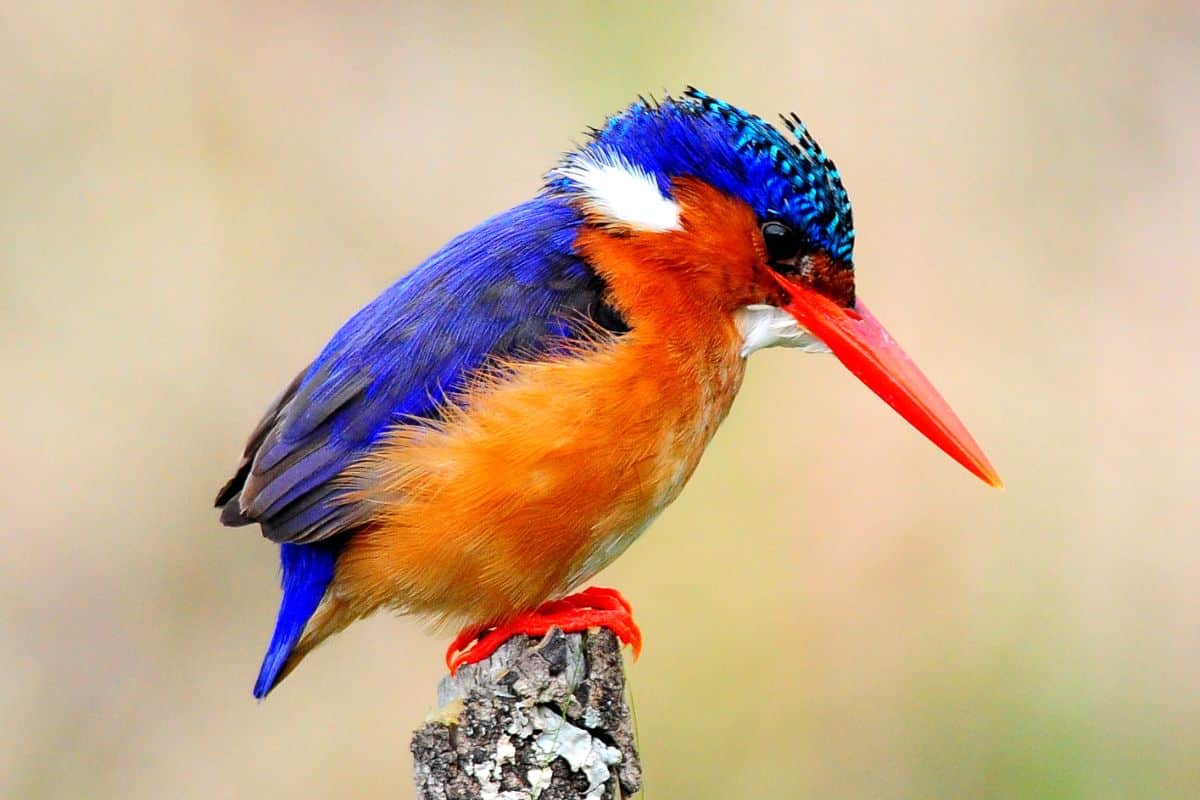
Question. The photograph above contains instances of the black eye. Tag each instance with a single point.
(781, 241)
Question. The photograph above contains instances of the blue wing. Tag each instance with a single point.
(512, 286)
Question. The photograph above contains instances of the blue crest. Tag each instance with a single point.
(740, 154)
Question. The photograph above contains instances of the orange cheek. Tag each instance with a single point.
(715, 264)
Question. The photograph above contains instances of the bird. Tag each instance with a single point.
(506, 419)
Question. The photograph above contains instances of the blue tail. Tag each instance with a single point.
(307, 571)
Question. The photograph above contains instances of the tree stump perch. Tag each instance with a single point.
(546, 720)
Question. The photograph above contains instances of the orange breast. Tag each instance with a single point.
(539, 480)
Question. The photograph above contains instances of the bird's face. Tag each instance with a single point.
(753, 225)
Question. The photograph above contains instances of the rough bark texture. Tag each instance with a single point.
(546, 720)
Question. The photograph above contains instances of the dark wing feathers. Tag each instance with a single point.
(511, 287)
(230, 512)
(307, 518)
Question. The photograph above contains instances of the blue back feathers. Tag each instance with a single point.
(740, 154)
(512, 286)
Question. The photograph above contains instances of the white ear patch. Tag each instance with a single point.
(767, 326)
(619, 192)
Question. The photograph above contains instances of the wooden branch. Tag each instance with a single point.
(546, 720)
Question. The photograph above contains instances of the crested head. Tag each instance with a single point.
(693, 208)
(630, 164)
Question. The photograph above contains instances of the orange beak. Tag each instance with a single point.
(868, 351)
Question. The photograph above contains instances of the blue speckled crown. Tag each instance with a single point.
(742, 155)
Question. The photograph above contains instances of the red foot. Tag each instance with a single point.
(592, 608)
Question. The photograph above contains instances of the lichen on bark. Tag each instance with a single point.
(545, 720)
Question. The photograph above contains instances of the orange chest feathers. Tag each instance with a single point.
(539, 479)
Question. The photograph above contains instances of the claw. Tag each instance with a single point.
(461, 641)
(592, 608)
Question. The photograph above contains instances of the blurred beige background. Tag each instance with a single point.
(193, 196)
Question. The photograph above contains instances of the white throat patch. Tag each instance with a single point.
(619, 192)
(764, 326)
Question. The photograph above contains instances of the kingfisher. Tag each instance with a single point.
(511, 415)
